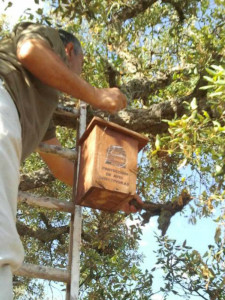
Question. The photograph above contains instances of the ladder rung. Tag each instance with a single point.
(43, 272)
(47, 202)
(54, 149)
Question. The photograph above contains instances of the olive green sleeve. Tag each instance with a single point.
(29, 30)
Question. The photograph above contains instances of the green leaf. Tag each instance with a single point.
(211, 72)
(157, 142)
(217, 236)
(194, 104)
(216, 123)
(218, 68)
(9, 5)
(216, 94)
(219, 170)
(207, 87)
(209, 79)
(182, 164)
(205, 113)
(220, 82)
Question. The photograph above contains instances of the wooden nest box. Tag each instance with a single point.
(108, 165)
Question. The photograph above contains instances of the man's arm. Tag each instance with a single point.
(37, 56)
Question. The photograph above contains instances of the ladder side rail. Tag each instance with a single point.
(72, 292)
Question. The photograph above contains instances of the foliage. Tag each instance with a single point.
(187, 273)
(168, 57)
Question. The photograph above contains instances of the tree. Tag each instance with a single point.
(168, 58)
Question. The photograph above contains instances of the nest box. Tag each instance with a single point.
(108, 165)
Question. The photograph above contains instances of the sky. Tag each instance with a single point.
(13, 13)
(198, 236)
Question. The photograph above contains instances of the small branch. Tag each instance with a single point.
(57, 150)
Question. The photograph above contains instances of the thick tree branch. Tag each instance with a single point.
(131, 11)
(154, 209)
(149, 120)
(42, 272)
(177, 7)
(66, 115)
(67, 111)
(48, 235)
(142, 88)
(165, 211)
(141, 120)
(43, 235)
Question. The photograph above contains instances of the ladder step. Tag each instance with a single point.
(54, 149)
(43, 272)
(47, 202)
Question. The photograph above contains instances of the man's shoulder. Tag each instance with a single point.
(29, 30)
(26, 27)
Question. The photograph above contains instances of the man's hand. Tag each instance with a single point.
(110, 99)
(135, 205)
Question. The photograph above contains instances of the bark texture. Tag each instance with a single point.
(35, 180)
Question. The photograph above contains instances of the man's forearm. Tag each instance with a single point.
(47, 66)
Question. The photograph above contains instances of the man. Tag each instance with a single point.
(35, 63)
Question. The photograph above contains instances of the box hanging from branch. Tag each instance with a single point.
(108, 165)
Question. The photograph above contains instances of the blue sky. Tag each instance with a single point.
(198, 236)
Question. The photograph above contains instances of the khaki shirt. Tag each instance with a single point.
(34, 100)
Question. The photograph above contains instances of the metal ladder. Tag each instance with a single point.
(72, 274)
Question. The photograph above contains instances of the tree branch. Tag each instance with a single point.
(149, 120)
(151, 209)
(165, 211)
(131, 11)
(142, 88)
(177, 7)
(43, 235)
(37, 179)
